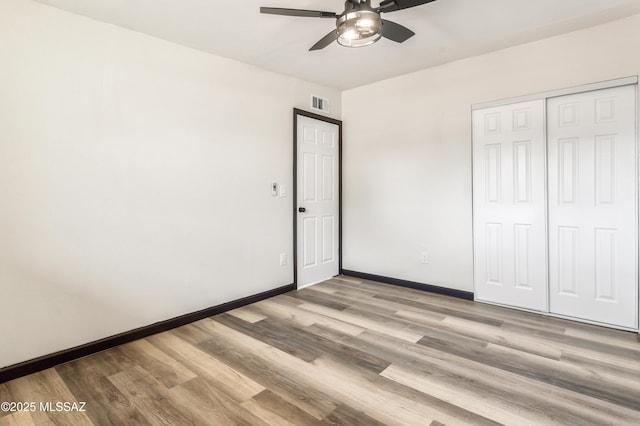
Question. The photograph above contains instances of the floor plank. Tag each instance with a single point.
(44, 387)
(151, 398)
(17, 419)
(162, 367)
(241, 354)
(247, 315)
(215, 372)
(87, 380)
(210, 405)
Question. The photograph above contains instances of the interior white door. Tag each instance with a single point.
(318, 201)
(509, 205)
(592, 206)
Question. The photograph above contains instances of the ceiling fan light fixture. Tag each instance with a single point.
(359, 28)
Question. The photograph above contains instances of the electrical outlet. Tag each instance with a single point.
(424, 257)
(283, 259)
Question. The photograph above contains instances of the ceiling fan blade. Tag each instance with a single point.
(396, 32)
(325, 41)
(297, 12)
(393, 5)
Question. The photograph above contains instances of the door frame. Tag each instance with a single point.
(299, 112)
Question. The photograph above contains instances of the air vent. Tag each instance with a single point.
(319, 104)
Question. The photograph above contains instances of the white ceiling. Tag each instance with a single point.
(446, 30)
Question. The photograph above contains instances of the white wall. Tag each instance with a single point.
(134, 179)
(407, 152)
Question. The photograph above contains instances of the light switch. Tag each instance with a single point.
(283, 190)
(274, 189)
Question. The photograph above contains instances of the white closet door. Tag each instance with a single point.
(592, 206)
(509, 205)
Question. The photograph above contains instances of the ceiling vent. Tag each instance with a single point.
(319, 104)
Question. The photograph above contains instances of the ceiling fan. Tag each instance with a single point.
(359, 24)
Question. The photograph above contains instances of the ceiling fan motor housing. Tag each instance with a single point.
(360, 25)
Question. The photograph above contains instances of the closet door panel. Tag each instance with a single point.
(592, 206)
(509, 205)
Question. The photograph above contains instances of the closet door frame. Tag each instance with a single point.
(625, 81)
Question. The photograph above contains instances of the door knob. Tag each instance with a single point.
(302, 209)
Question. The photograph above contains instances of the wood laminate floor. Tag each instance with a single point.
(351, 352)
